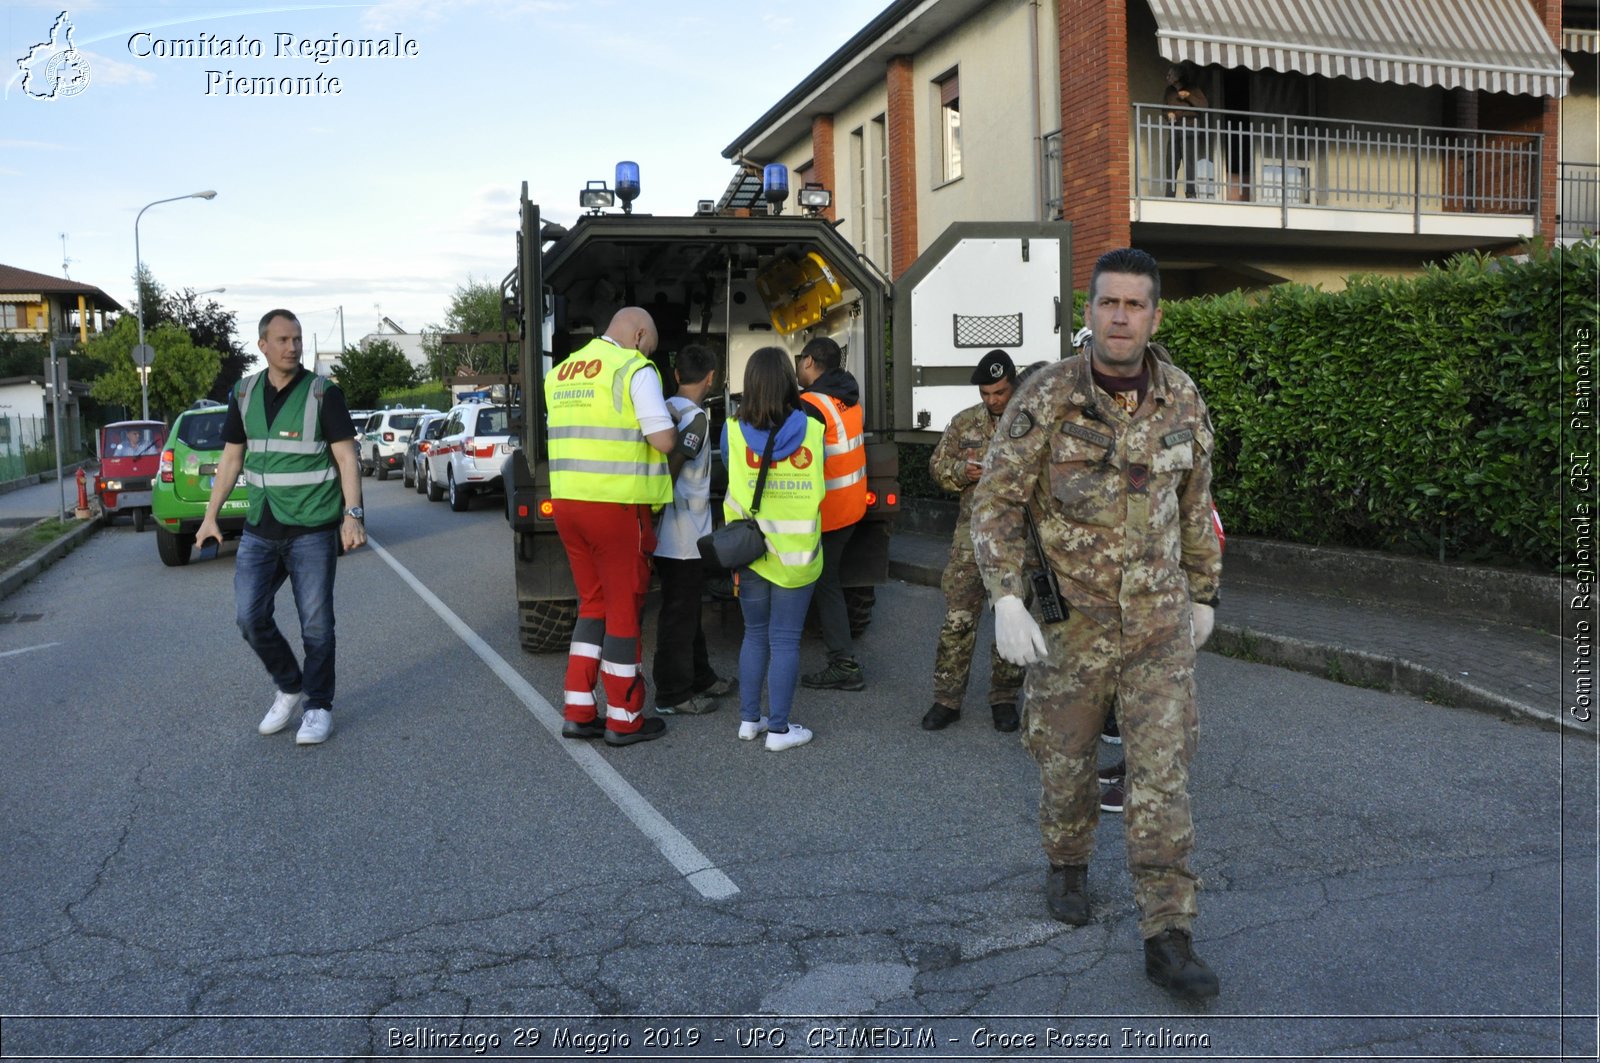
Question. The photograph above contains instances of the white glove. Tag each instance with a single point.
(1016, 633)
(1203, 620)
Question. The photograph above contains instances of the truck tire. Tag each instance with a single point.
(858, 602)
(174, 549)
(546, 626)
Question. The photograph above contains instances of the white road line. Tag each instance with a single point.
(695, 866)
(29, 649)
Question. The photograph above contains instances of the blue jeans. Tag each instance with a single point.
(307, 562)
(770, 653)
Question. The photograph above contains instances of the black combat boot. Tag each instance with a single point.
(1170, 963)
(1005, 716)
(1066, 891)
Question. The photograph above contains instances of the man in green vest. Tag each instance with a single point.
(289, 431)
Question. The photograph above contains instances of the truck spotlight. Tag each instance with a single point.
(814, 198)
(595, 197)
(627, 184)
(775, 186)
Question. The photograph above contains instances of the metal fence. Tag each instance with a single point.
(28, 446)
(1580, 200)
(1245, 156)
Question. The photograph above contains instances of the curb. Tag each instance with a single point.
(47, 555)
(1362, 669)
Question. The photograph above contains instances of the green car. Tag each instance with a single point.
(183, 482)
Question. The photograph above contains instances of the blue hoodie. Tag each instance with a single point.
(791, 434)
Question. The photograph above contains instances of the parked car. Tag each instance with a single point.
(468, 455)
(129, 453)
(383, 439)
(184, 480)
(412, 472)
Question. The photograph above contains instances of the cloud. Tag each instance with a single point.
(403, 15)
(31, 145)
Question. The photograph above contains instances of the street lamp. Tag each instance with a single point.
(210, 291)
(138, 280)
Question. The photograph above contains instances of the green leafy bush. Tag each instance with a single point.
(1418, 415)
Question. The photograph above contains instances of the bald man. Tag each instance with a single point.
(610, 434)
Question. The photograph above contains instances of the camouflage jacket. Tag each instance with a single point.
(1123, 503)
(966, 437)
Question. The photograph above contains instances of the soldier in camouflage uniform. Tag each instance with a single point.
(956, 465)
(1113, 452)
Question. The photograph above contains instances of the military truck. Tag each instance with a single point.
(737, 277)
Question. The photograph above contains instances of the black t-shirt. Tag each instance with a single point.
(336, 427)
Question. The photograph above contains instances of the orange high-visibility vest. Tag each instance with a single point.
(844, 464)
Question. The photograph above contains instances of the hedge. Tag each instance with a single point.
(1421, 415)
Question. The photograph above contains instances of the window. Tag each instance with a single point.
(858, 178)
(13, 316)
(880, 149)
(949, 126)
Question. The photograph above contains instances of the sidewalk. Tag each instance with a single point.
(21, 506)
(1473, 663)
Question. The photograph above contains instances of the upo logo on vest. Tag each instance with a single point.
(571, 368)
(800, 459)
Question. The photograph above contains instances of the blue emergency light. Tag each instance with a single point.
(775, 185)
(627, 184)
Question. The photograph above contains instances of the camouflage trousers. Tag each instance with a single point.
(1149, 676)
(965, 600)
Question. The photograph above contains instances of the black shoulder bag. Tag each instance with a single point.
(739, 542)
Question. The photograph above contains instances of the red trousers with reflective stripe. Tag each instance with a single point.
(609, 546)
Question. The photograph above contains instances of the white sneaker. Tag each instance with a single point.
(752, 729)
(277, 717)
(315, 726)
(795, 736)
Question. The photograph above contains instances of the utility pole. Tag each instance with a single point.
(341, 329)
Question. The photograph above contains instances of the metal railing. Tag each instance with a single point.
(1335, 164)
(1050, 174)
(1579, 205)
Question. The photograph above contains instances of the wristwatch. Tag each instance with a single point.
(357, 512)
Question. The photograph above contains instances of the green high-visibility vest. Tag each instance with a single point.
(790, 515)
(288, 462)
(597, 453)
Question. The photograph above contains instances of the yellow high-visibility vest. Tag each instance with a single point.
(790, 515)
(597, 453)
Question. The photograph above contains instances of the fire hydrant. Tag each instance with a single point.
(82, 512)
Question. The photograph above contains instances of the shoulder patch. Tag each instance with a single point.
(1021, 425)
(1182, 435)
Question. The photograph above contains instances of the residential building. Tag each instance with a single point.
(37, 306)
(1338, 136)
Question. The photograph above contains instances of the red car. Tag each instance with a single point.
(129, 452)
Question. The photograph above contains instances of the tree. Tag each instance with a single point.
(180, 374)
(362, 373)
(475, 307)
(208, 325)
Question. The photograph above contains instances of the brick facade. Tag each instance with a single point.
(902, 133)
(822, 157)
(1095, 128)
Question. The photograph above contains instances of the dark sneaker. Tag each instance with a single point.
(595, 728)
(1005, 716)
(693, 705)
(653, 727)
(720, 689)
(1111, 796)
(939, 717)
(1170, 962)
(1110, 732)
(1115, 771)
(841, 674)
(1066, 892)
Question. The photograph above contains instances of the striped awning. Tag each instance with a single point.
(1587, 41)
(1485, 45)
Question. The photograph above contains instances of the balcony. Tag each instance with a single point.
(1580, 200)
(1395, 185)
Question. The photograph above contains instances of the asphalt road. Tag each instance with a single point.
(1383, 877)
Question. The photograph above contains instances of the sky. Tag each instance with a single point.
(383, 197)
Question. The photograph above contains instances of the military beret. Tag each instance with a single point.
(995, 367)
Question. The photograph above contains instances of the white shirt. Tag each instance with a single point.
(648, 405)
(688, 518)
